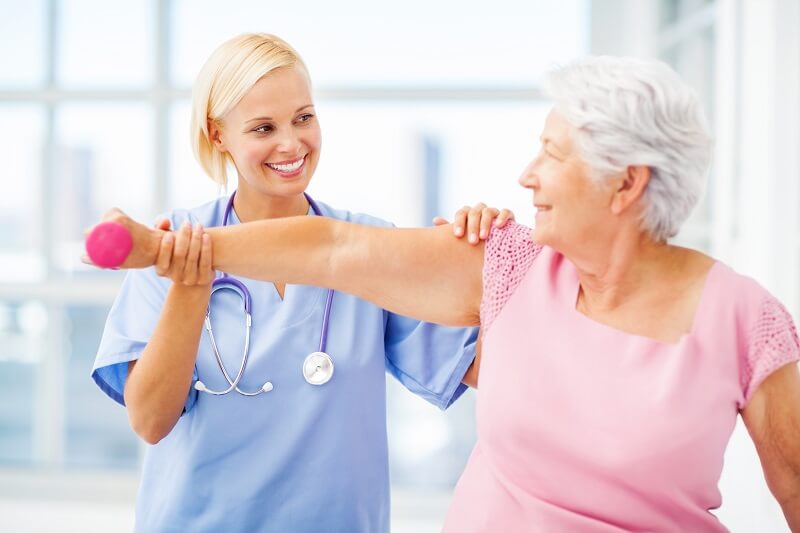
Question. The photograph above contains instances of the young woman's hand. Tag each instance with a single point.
(184, 255)
(477, 221)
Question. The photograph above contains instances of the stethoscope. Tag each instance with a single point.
(317, 366)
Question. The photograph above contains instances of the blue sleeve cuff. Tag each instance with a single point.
(447, 392)
(456, 386)
(111, 380)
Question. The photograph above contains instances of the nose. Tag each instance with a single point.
(529, 179)
(289, 141)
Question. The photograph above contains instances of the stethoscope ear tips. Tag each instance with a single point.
(200, 386)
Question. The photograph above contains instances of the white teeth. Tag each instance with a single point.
(291, 167)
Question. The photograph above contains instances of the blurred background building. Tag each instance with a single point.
(425, 106)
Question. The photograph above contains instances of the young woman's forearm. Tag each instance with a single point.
(158, 383)
(422, 273)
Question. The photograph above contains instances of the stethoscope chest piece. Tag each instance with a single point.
(318, 368)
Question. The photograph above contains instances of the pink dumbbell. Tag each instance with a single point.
(108, 244)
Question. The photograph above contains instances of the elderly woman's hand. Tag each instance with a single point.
(184, 255)
(477, 220)
(145, 241)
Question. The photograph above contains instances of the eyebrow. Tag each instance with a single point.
(548, 141)
(266, 119)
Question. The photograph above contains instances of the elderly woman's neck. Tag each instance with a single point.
(613, 270)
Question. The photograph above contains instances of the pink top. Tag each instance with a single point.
(582, 427)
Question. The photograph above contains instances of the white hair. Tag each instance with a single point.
(636, 112)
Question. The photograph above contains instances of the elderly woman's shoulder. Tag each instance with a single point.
(511, 234)
(512, 243)
(741, 293)
(763, 329)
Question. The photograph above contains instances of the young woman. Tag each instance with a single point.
(274, 419)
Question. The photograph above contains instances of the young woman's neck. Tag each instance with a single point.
(250, 207)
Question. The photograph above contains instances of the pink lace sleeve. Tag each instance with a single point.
(773, 344)
(508, 255)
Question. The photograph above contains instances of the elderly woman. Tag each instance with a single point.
(615, 363)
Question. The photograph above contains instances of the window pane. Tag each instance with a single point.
(691, 58)
(22, 339)
(674, 10)
(105, 44)
(460, 153)
(104, 155)
(428, 448)
(359, 42)
(188, 184)
(22, 30)
(22, 154)
(98, 434)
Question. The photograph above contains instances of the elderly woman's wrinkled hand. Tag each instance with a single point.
(145, 241)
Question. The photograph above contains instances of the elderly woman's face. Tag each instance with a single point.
(569, 205)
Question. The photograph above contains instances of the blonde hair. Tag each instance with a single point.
(228, 74)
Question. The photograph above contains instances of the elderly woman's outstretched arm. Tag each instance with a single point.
(422, 273)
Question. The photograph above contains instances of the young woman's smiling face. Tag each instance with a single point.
(273, 135)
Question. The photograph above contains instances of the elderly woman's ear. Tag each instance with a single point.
(630, 188)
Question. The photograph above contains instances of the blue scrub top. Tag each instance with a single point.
(301, 458)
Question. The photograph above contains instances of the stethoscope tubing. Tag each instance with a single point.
(234, 384)
(231, 283)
